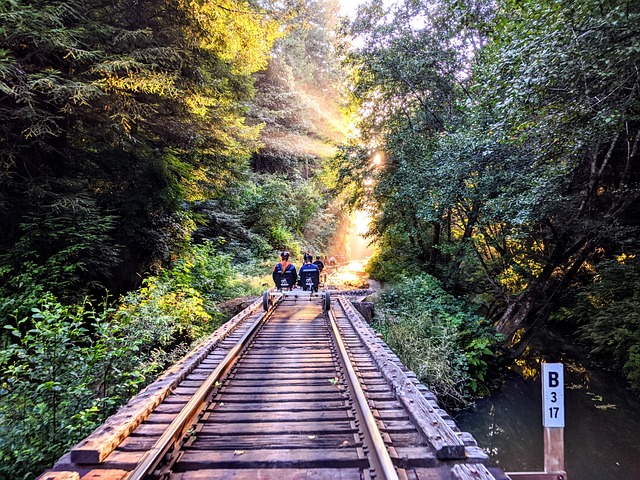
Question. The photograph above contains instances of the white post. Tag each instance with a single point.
(553, 416)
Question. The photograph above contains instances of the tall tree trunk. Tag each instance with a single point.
(517, 314)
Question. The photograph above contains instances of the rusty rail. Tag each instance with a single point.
(176, 431)
(379, 454)
(373, 420)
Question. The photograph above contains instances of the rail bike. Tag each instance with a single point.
(285, 289)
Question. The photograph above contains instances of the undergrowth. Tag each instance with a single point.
(449, 348)
(65, 368)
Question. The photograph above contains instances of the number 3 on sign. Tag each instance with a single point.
(552, 395)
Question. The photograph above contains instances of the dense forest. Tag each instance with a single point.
(498, 151)
(155, 156)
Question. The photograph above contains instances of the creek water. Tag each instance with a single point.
(602, 433)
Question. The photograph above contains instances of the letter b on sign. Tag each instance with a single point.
(552, 395)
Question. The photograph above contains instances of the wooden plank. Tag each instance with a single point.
(262, 428)
(59, 476)
(121, 460)
(169, 407)
(272, 474)
(251, 417)
(553, 449)
(398, 426)
(376, 388)
(409, 439)
(372, 380)
(276, 458)
(269, 397)
(286, 364)
(411, 457)
(476, 455)
(385, 405)
(186, 391)
(290, 355)
(470, 472)
(324, 388)
(137, 444)
(426, 474)
(96, 447)
(269, 369)
(387, 396)
(387, 415)
(253, 405)
(468, 439)
(444, 440)
(252, 376)
(110, 474)
(149, 430)
(284, 380)
(287, 441)
(292, 342)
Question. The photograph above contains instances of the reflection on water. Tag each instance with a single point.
(602, 419)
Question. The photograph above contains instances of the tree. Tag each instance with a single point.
(297, 98)
(515, 173)
(408, 79)
(571, 106)
(138, 105)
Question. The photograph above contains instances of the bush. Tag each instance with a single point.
(66, 368)
(66, 248)
(63, 377)
(449, 348)
(393, 259)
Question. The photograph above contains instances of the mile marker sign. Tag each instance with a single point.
(552, 395)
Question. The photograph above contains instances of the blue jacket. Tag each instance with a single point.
(290, 268)
(307, 267)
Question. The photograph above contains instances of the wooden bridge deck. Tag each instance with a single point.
(284, 408)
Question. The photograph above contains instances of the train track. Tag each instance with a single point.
(298, 391)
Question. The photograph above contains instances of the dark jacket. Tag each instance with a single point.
(289, 268)
(307, 267)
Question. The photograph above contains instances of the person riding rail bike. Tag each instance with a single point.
(284, 269)
(309, 275)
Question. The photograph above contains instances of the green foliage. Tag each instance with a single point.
(279, 209)
(449, 348)
(509, 133)
(217, 276)
(393, 259)
(297, 95)
(182, 300)
(64, 369)
(65, 247)
(62, 377)
(297, 102)
(608, 315)
(138, 106)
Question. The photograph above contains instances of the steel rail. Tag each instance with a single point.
(176, 431)
(379, 454)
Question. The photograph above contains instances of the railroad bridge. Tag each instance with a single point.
(298, 388)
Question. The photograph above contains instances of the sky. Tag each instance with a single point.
(349, 7)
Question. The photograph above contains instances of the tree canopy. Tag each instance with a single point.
(509, 132)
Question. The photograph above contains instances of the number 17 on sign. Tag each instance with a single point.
(552, 395)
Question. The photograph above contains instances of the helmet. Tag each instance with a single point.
(308, 257)
(284, 255)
